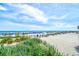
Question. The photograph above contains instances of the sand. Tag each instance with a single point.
(12, 44)
(65, 43)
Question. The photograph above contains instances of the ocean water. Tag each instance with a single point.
(31, 32)
(13, 32)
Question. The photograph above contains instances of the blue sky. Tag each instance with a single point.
(38, 16)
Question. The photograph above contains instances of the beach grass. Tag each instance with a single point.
(29, 47)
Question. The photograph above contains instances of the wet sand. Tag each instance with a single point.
(65, 43)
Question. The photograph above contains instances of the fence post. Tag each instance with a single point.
(78, 28)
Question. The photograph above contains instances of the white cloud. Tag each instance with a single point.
(8, 15)
(38, 15)
(58, 17)
(2, 8)
(62, 26)
(7, 25)
(35, 13)
(58, 24)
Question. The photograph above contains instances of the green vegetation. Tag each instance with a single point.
(9, 39)
(29, 47)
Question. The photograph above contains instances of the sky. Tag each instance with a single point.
(39, 16)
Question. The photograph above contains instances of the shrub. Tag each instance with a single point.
(7, 39)
(3, 41)
(17, 39)
(30, 47)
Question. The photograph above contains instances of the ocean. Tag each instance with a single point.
(31, 32)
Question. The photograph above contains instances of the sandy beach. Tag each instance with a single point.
(67, 43)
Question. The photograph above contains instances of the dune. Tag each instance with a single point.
(66, 43)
